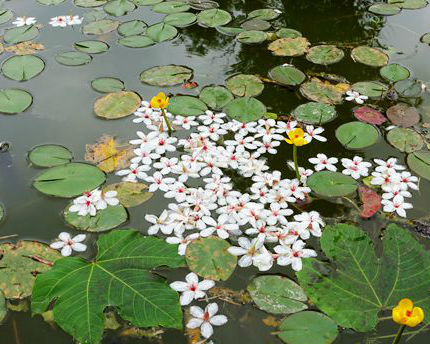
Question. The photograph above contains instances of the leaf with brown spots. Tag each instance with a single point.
(25, 48)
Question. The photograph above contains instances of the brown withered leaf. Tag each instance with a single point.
(189, 85)
(109, 154)
(271, 321)
(25, 48)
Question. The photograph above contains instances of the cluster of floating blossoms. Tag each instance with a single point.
(59, 21)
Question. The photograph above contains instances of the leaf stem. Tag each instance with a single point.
(296, 165)
(399, 334)
(169, 128)
(15, 331)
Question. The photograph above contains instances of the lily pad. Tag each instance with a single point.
(325, 54)
(89, 3)
(201, 5)
(168, 75)
(315, 113)
(147, 2)
(213, 17)
(288, 33)
(117, 105)
(100, 27)
(136, 41)
(20, 34)
(186, 106)
(405, 139)
(264, 14)
(245, 85)
(73, 58)
(251, 37)
(409, 4)
(130, 194)
(277, 295)
(171, 7)
(289, 46)
(91, 47)
(419, 163)
(357, 135)
(331, 184)
(19, 265)
(384, 9)
(322, 92)
(209, 258)
(22, 68)
(408, 88)
(161, 32)
(50, 2)
(182, 19)
(106, 219)
(229, 31)
(245, 109)
(287, 75)
(49, 156)
(216, 97)
(308, 327)
(13, 101)
(107, 85)
(372, 89)
(132, 27)
(118, 8)
(369, 56)
(369, 115)
(425, 38)
(94, 15)
(5, 15)
(395, 72)
(69, 180)
(256, 25)
(403, 115)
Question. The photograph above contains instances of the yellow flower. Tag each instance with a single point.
(296, 137)
(160, 101)
(406, 314)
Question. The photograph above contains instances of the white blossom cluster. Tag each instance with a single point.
(59, 21)
(90, 202)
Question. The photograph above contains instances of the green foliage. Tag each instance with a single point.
(245, 85)
(91, 47)
(315, 113)
(369, 56)
(321, 92)
(372, 89)
(409, 4)
(264, 14)
(419, 162)
(161, 32)
(119, 8)
(186, 106)
(136, 41)
(357, 135)
(107, 85)
(251, 37)
(331, 184)
(3, 307)
(22, 68)
(132, 27)
(49, 155)
(245, 109)
(289, 46)
(100, 27)
(89, 3)
(13, 101)
(216, 97)
(384, 9)
(287, 75)
(20, 34)
(117, 105)
(405, 139)
(130, 194)
(169, 75)
(395, 72)
(5, 15)
(213, 17)
(325, 54)
(73, 58)
(182, 19)
(171, 7)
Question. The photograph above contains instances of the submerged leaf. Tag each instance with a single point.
(371, 201)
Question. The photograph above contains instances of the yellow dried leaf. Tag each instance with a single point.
(271, 321)
(25, 48)
(342, 87)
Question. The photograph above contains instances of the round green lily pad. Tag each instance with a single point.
(182, 19)
(245, 85)
(331, 184)
(209, 258)
(132, 27)
(384, 9)
(171, 7)
(161, 32)
(372, 89)
(91, 47)
(289, 46)
(287, 75)
(213, 17)
(13, 101)
(168, 75)
(325, 54)
(118, 8)
(357, 135)
(73, 58)
(186, 106)
(130, 194)
(408, 88)
(405, 140)
(395, 72)
(136, 41)
(94, 15)
(229, 31)
(107, 85)
(245, 109)
(5, 15)
(256, 25)
(288, 33)
(20, 34)
(409, 4)
(117, 105)
(369, 56)
(216, 97)
(264, 14)
(419, 163)
(22, 68)
(49, 156)
(315, 113)
(321, 92)
(100, 27)
(251, 37)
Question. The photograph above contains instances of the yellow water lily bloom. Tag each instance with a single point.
(406, 314)
(296, 137)
(160, 101)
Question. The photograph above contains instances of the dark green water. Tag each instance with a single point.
(62, 114)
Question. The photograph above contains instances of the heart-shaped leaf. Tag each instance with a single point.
(161, 32)
(118, 8)
(117, 105)
(100, 27)
(49, 156)
(182, 19)
(186, 106)
(171, 7)
(245, 85)
(395, 72)
(419, 162)
(405, 139)
(73, 58)
(369, 115)
(325, 54)
(168, 75)
(315, 113)
(22, 68)
(331, 184)
(369, 56)
(107, 85)
(20, 34)
(403, 115)
(287, 75)
(245, 109)
(372, 89)
(92, 47)
(13, 101)
(213, 17)
(384, 9)
(357, 135)
(216, 97)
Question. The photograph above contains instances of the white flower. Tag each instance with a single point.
(158, 182)
(387, 180)
(313, 133)
(205, 319)
(165, 165)
(74, 20)
(397, 204)
(388, 166)
(223, 227)
(177, 190)
(396, 190)
(408, 180)
(292, 188)
(165, 143)
(263, 260)
(86, 204)
(192, 289)
(107, 198)
(133, 173)
(304, 173)
(322, 162)
(312, 222)
(211, 117)
(293, 255)
(356, 167)
(60, 21)
(185, 122)
(145, 141)
(266, 146)
(22, 21)
(276, 214)
(355, 96)
(183, 242)
(241, 143)
(213, 131)
(69, 244)
(144, 156)
(248, 249)
(159, 223)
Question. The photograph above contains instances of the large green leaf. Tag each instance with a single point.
(384, 9)
(373, 57)
(73, 58)
(408, 88)
(107, 85)
(321, 92)
(409, 4)
(325, 54)
(186, 106)
(100, 27)
(357, 135)
(245, 85)
(168, 75)
(91, 47)
(252, 37)
(22, 68)
(264, 14)
(315, 113)
(117, 105)
(395, 72)
(5, 15)
(69, 180)
(119, 8)
(331, 184)
(49, 155)
(245, 109)
(13, 101)
(419, 162)
(120, 277)
(171, 7)
(132, 27)
(161, 32)
(136, 41)
(216, 97)
(213, 17)
(89, 3)
(372, 89)
(20, 34)
(287, 75)
(289, 46)
(357, 285)
(180, 19)
(405, 139)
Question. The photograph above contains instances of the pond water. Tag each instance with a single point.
(62, 113)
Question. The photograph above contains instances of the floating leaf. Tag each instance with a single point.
(264, 14)
(369, 56)
(403, 115)
(91, 47)
(100, 27)
(171, 7)
(120, 277)
(25, 48)
(186, 106)
(409, 4)
(229, 31)
(119, 8)
(117, 105)
(109, 154)
(245, 85)
(105, 219)
(213, 17)
(315, 113)
(94, 15)
(22, 68)
(425, 38)
(19, 265)
(371, 201)
(325, 54)
(308, 327)
(331, 184)
(419, 162)
(13, 101)
(395, 72)
(369, 115)
(287, 75)
(147, 2)
(408, 88)
(322, 91)
(49, 156)
(384, 9)
(89, 3)
(20, 34)
(288, 33)
(130, 194)
(137, 41)
(209, 258)
(357, 135)
(161, 32)
(5, 15)
(277, 295)
(73, 58)
(358, 282)
(107, 85)
(405, 139)
(216, 97)
(168, 75)
(372, 89)
(3, 307)
(251, 37)
(203, 4)
(50, 2)
(256, 25)
(289, 46)
(69, 180)
(180, 19)
(245, 109)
